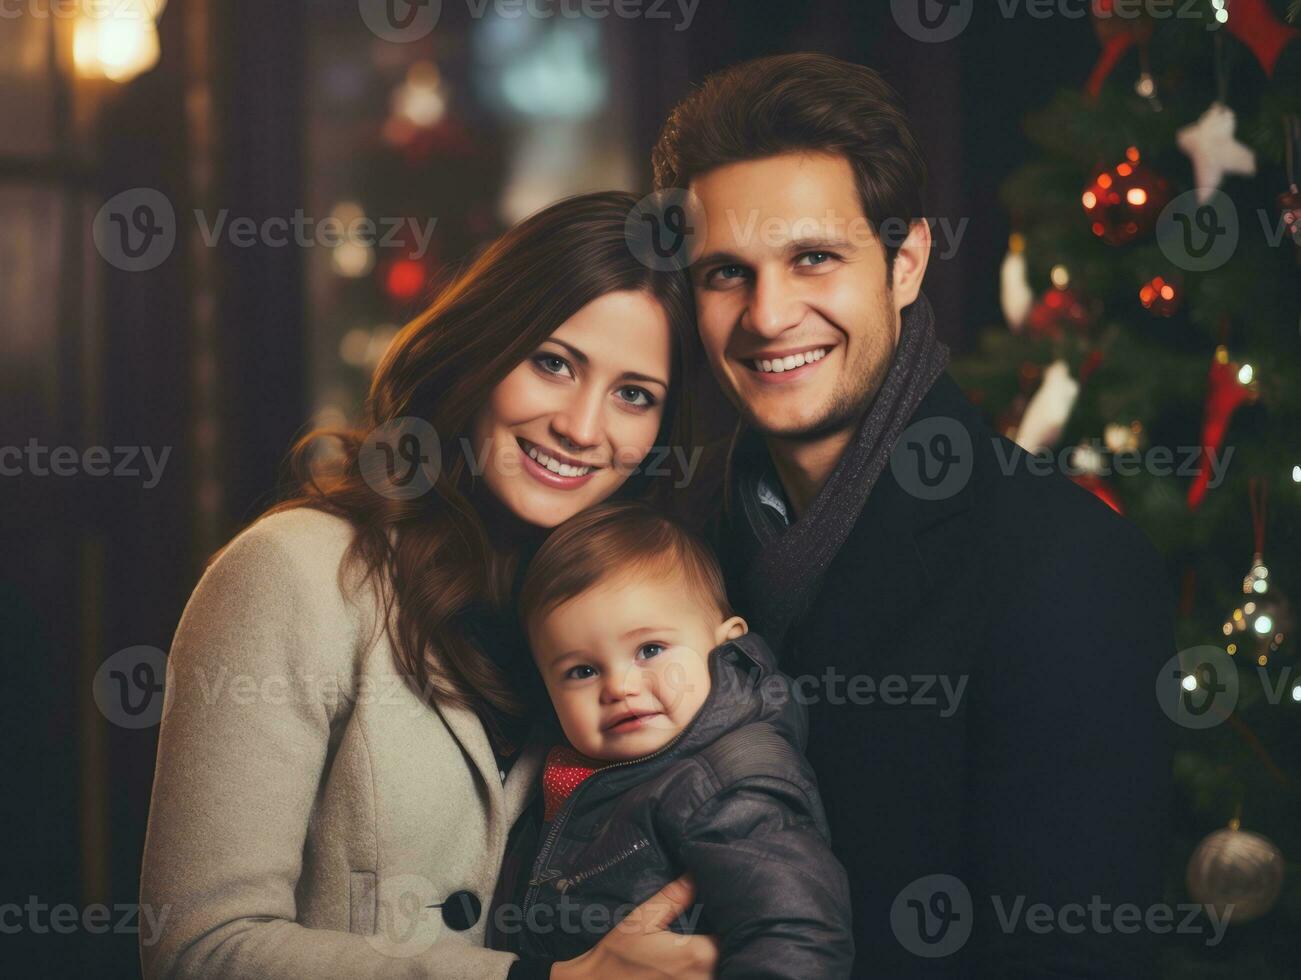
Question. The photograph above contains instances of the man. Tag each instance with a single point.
(979, 644)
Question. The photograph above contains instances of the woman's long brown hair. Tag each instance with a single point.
(434, 555)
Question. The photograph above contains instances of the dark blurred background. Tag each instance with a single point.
(213, 359)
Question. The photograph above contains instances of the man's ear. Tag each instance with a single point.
(730, 629)
(910, 264)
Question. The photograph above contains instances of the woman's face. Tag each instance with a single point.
(572, 421)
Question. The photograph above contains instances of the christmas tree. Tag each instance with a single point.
(1153, 349)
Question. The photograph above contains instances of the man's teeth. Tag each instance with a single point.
(555, 466)
(790, 363)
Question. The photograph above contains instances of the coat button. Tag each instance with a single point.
(461, 910)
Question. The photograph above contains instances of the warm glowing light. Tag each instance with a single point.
(1136, 196)
(1245, 374)
(352, 259)
(1090, 200)
(1158, 288)
(1104, 181)
(1124, 169)
(405, 279)
(420, 100)
(1060, 276)
(1132, 154)
(118, 41)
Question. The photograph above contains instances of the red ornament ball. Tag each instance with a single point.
(1056, 310)
(1124, 201)
(1161, 297)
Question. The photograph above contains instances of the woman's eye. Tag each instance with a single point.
(553, 364)
(648, 650)
(637, 397)
(580, 673)
(815, 258)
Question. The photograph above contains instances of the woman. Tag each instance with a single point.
(338, 764)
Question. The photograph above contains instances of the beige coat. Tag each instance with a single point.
(308, 807)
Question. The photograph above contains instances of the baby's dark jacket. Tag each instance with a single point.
(731, 800)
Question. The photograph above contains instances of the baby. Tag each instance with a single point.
(683, 755)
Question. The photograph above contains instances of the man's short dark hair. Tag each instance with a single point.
(793, 102)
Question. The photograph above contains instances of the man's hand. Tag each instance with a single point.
(642, 947)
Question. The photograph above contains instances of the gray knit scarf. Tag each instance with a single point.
(785, 575)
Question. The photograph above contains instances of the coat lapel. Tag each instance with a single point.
(469, 733)
(514, 795)
(902, 547)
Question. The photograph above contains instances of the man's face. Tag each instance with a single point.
(797, 313)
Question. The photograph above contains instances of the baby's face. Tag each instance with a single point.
(626, 663)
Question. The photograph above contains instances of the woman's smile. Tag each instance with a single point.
(553, 469)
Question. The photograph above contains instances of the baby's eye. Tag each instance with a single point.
(648, 650)
(580, 673)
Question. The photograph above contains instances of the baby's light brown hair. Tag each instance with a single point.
(617, 539)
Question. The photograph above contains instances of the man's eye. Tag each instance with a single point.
(648, 650)
(580, 673)
(815, 258)
(552, 364)
(637, 397)
(726, 273)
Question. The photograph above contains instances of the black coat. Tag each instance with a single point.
(732, 800)
(1048, 781)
